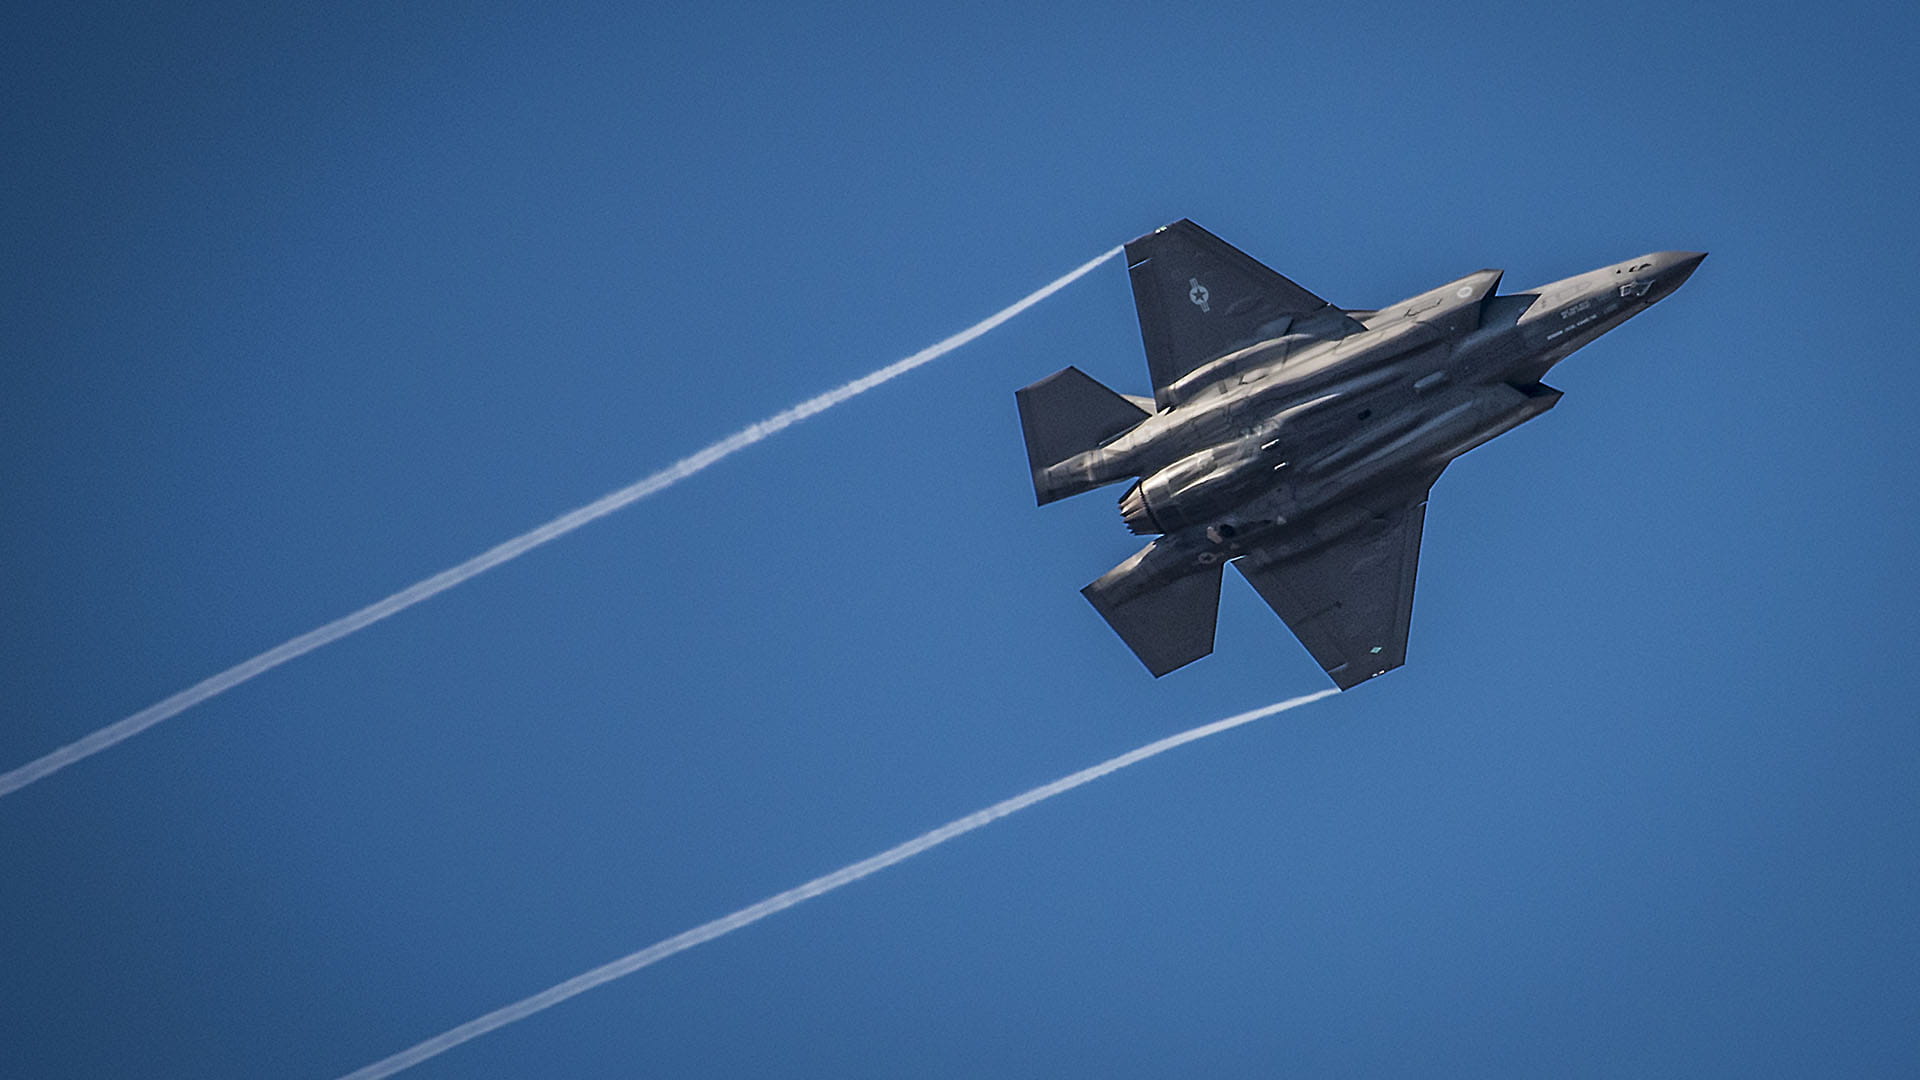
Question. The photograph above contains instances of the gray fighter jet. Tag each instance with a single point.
(1298, 441)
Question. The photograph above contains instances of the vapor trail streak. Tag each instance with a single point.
(121, 730)
(658, 951)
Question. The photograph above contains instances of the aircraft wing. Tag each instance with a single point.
(1351, 602)
(1199, 297)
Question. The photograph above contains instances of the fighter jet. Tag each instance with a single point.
(1298, 441)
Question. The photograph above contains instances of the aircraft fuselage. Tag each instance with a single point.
(1301, 439)
(1264, 444)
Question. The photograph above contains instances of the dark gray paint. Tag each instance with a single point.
(1297, 440)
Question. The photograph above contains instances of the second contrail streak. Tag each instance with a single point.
(121, 730)
(659, 951)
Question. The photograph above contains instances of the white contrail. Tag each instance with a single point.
(658, 951)
(121, 730)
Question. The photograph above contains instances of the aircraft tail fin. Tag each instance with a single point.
(1065, 414)
(1167, 627)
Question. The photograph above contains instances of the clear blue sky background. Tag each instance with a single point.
(303, 305)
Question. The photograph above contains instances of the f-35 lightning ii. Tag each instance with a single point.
(1298, 441)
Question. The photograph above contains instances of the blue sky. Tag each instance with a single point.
(304, 306)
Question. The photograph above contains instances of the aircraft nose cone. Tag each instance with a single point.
(1684, 263)
(1676, 267)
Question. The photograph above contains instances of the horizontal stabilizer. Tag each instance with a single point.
(1065, 414)
(1169, 627)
